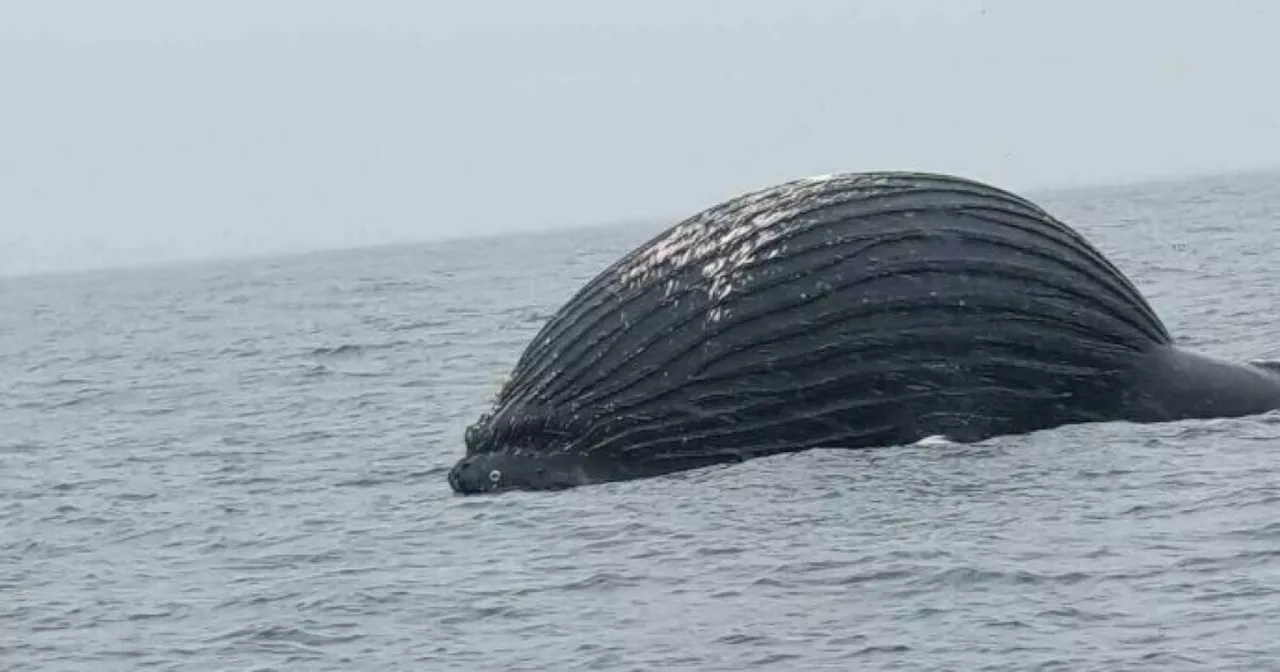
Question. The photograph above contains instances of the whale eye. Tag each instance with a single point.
(495, 476)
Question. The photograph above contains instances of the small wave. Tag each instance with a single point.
(280, 633)
(364, 482)
(82, 396)
(247, 480)
(378, 285)
(309, 436)
(471, 614)
(240, 351)
(1073, 614)
(20, 448)
(602, 581)
(972, 576)
(773, 659)
(420, 324)
(344, 349)
(67, 380)
(882, 648)
(135, 496)
(935, 440)
(87, 484)
(738, 638)
(1213, 565)
(356, 349)
(527, 315)
(1268, 364)
(318, 371)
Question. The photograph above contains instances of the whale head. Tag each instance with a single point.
(515, 469)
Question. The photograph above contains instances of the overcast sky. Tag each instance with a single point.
(138, 130)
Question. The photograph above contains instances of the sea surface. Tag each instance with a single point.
(241, 466)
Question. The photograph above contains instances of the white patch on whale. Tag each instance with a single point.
(724, 239)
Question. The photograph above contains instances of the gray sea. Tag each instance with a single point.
(241, 465)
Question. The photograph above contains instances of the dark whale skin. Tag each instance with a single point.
(847, 311)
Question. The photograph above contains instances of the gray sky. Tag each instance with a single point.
(139, 130)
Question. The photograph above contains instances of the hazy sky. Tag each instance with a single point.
(138, 131)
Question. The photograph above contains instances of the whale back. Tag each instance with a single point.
(848, 310)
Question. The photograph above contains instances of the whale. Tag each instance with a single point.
(856, 310)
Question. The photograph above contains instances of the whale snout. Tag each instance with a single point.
(515, 470)
(474, 474)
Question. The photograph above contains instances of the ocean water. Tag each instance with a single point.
(241, 465)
